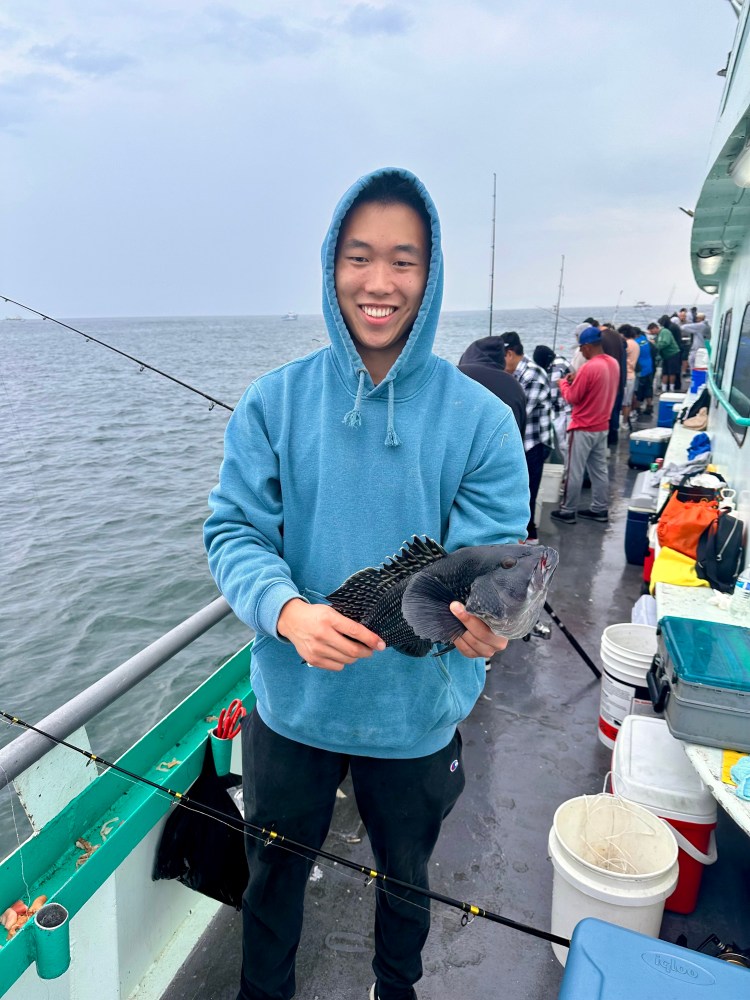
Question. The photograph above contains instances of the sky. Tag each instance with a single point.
(176, 157)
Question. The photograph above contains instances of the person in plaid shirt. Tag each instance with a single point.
(538, 439)
(557, 367)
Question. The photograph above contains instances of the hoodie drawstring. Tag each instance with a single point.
(392, 440)
(354, 417)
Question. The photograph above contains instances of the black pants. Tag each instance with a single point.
(291, 787)
(535, 458)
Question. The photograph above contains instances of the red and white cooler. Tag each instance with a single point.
(650, 767)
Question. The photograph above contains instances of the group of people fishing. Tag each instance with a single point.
(579, 407)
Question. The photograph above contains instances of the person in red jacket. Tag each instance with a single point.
(591, 391)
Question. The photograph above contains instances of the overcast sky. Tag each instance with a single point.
(175, 157)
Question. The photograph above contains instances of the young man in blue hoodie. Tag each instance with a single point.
(331, 462)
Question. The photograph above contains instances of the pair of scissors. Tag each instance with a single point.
(229, 720)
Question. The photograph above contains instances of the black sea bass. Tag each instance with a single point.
(406, 601)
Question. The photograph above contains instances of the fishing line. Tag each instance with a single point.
(142, 364)
(275, 838)
(18, 835)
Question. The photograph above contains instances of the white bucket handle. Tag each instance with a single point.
(684, 844)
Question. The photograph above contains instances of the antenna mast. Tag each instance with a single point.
(559, 297)
(492, 265)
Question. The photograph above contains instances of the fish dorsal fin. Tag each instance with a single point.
(359, 592)
(426, 607)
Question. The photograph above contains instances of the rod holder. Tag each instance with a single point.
(222, 751)
(52, 934)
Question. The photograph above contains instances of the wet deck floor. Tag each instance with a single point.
(530, 744)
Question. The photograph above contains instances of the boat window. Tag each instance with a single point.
(739, 390)
(720, 356)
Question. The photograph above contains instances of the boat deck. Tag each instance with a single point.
(530, 744)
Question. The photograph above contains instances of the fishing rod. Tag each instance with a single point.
(492, 264)
(116, 350)
(552, 312)
(470, 910)
(617, 307)
(557, 307)
(573, 641)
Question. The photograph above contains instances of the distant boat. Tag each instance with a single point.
(291, 316)
(640, 304)
(19, 319)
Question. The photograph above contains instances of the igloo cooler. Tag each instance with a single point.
(612, 963)
(648, 445)
(650, 768)
(700, 679)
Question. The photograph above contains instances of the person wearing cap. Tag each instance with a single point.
(591, 392)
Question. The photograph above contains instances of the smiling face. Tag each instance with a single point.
(382, 260)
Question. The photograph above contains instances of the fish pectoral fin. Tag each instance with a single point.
(426, 607)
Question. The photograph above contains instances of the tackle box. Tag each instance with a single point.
(646, 446)
(613, 963)
(700, 679)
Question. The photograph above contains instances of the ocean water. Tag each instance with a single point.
(104, 475)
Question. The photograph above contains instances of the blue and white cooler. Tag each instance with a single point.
(669, 403)
(613, 963)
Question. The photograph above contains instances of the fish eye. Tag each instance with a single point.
(508, 563)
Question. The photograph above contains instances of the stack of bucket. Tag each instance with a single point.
(626, 651)
(612, 859)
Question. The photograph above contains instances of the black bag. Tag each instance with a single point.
(203, 852)
(720, 552)
(702, 402)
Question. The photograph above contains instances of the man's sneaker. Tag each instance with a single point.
(567, 517)
(594, 515)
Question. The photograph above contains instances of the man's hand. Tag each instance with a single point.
(478, 639)
(323, 637)
(569, 377)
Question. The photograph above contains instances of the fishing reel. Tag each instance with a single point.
(539, 631)
(715, 948)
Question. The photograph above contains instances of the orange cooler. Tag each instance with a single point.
(650, 767)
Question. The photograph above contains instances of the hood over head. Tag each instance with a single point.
(486, 351)
(413, 365)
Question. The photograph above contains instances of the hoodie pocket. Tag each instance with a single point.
(445, 675)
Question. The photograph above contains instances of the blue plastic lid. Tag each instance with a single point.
(708, 652)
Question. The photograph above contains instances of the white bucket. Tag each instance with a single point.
(613, 860)
(627, 650)
(549, 487)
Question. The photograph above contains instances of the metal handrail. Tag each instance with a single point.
(723, 401)
(28, 748)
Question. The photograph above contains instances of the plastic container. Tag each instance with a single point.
(613, 860)
(739, 607)
(650, 767)
(699, 678)
(667, 402)
(626, 652)
(648, 446)
(698, 380)
(612, 963)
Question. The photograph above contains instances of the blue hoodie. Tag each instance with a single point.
(325, 473)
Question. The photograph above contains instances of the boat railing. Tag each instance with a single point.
(30, 747)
